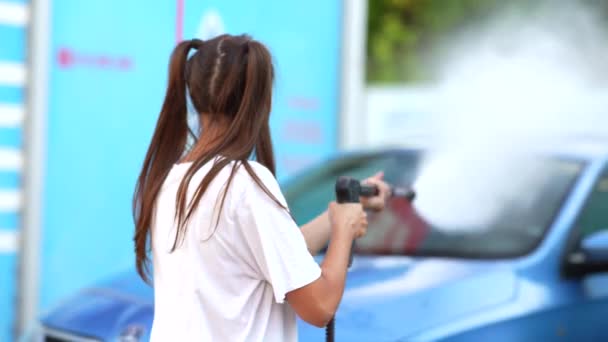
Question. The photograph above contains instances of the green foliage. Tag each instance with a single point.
(404, 36)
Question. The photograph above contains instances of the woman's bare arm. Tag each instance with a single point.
(317, 232)
(317, 302)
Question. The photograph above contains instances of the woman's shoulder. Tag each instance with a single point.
(261, 171)
(249, 183)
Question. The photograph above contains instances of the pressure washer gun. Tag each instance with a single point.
(350, 190)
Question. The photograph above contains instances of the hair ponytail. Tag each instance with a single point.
(166, 147)
(264, 153)
(230, 79)
(258, 71)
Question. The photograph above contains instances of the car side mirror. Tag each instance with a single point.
(589, 257)
(595, 247)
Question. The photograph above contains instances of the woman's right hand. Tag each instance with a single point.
(317, 302)
(348, 218)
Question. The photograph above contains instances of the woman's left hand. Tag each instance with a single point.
(378, 202)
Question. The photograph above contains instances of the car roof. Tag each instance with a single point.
(584, 149)
(591, 152)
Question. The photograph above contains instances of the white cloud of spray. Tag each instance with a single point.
(516, 85)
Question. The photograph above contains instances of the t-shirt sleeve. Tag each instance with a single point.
(274, 240)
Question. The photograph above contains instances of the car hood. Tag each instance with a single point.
(386, 299)
(389, 299)
(123, 304)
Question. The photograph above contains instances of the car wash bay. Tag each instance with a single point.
(90, 106)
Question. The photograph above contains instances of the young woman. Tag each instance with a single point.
(229, 262)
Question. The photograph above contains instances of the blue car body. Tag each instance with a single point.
(410, 298)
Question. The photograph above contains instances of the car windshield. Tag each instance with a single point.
(398, 230)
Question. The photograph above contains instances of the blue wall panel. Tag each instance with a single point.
(10, 137)
(9, 180)
(12, 38)
(9, 220)
(13, 51)
(108, 70)
(11, 95)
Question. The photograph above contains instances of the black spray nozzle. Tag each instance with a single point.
(348, 190)
(403, 192)
(396, 191)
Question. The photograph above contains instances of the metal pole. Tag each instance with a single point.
(352, 116)
(34, 150)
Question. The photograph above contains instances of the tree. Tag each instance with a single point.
(405, 37)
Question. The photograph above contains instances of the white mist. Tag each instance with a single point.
(508, 90)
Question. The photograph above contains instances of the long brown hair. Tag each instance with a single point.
(228, 78)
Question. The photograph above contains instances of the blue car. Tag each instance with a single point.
(538, 273)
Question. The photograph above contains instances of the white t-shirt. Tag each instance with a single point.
(229, 283)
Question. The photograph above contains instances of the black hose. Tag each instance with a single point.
(329, 331)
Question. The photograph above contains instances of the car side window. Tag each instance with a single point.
(594, 216)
